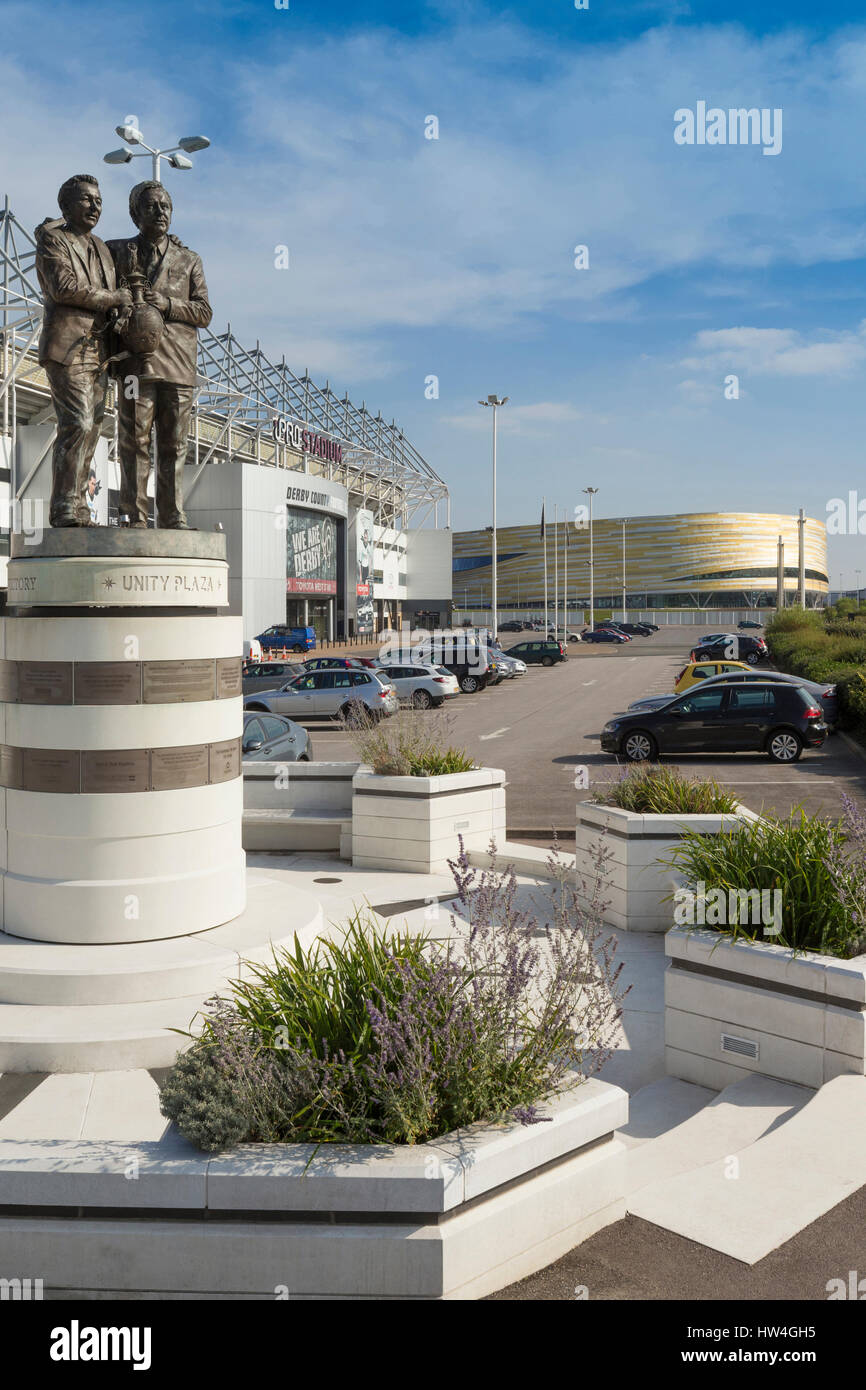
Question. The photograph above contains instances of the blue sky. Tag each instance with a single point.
(455, 257)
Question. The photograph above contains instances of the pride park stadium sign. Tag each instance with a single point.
(305, 441)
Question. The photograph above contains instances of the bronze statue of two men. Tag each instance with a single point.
(91, 291)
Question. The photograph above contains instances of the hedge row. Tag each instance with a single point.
(825, 646)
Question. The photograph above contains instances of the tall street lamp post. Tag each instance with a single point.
(494, 402)
(590, 492)
(133, 136)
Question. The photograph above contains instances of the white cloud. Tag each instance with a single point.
(518, 419)
(778, 351)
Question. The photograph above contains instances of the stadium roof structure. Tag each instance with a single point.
(240, 394)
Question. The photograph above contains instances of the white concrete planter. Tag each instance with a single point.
(636, 882)
(413, 824)
(733, 1007)
(458, 1218)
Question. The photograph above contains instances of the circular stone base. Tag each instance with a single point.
(108, 567)
(113, 1008)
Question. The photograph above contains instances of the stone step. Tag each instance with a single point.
(102, 1037)
(776, 1186)
(719, 1126)
(52, 973)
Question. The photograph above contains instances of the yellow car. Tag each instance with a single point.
(702, 670)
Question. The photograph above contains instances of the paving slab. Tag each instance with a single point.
(789, 1178)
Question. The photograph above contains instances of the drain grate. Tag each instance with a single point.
(744, 1047)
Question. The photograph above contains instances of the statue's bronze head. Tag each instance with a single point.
(150, 208)
(80, 202)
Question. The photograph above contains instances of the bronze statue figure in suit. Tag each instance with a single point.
(76, 275)
(156, 390)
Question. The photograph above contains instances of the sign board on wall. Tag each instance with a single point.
(306, 441)
(364, 620)
(311, 553)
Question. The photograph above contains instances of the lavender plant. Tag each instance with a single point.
(846, 865)
(390, 1038)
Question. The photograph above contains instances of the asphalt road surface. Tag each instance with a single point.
(543, 726)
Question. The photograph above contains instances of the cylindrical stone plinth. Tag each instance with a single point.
(120, 738)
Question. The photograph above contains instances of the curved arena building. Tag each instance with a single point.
(698, 560)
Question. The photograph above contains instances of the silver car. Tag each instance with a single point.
(336, 694)
(822, 691)
(510, 665)
(265, 675)
(275, 738)
(421, 684)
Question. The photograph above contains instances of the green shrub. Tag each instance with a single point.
(792, 856)
(384, 1037)
(664, 791)
(409, 744)
(827, 648)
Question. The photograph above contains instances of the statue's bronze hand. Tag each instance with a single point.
(159, 301)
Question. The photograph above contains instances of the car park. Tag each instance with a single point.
(538, 652)
(469, 659)
(273, 737)
(332, 693)
(696, 671)
(604, 634)
(281, 637)
(422, 685)
(264, 675)
(774, 718)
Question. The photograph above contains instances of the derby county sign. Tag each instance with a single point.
(304, 441)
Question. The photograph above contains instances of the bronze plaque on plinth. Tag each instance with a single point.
(45, 682)
(108, 682)
(115, 770)
(10, 767)
(229, 677)
(50, 770)
(172, 768)
(8, 682)
(225, 760)
(175, 682)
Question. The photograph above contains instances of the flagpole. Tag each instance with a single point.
(544, 539)
(565, 580)
(555, 568)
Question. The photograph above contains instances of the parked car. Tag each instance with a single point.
(272, 737)
(511, 626)
(538, 652)
(467, 658)
(334, 663)
(653, 627)
(421, 684)
(292, 639)
(607, 625)
(564, 634)
(748, 623)
(330, 693)
(820, 691)
(510, 666)
(636, 629)
(604, 634)
(774, 718)
(264, 675)
(696, 671)
(732, 647)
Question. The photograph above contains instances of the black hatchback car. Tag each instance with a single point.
(540, 653)
(779, 720)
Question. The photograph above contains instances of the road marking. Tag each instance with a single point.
(590, 682)
(497, 734)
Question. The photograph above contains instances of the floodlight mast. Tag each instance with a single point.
(133, 136)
